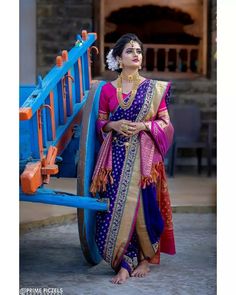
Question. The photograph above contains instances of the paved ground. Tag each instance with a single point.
(51, 257)
(189, 192)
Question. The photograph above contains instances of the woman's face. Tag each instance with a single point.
(132, 55)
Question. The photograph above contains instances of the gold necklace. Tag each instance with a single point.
(136, 80)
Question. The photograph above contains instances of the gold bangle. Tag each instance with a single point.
(145, 126)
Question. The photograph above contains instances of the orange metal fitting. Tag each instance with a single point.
(95, 48)
(64, 55)
(25, 113)
(84, 35)
(59, 61)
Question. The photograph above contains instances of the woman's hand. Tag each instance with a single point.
(139, 126)
(125, 127)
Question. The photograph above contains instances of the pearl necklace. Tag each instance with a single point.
(131, 78)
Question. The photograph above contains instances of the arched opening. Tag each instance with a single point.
(168, 46)
(152, 23)
(174, 33)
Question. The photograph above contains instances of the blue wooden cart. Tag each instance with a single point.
(58, 137)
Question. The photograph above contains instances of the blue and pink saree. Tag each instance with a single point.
(130, 172)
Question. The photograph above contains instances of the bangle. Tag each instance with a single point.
(145, 126)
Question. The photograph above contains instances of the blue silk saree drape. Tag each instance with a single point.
(130, 231)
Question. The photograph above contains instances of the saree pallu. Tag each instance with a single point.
(130, 172)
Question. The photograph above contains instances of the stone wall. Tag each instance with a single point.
(212, 39)
(58, 23)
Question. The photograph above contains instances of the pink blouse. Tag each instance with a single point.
(109, 102)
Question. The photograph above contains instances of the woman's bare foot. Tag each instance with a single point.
(121, 277)
(141, 270)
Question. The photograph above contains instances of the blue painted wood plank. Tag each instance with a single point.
(72, 72)
(62, 129)
(49, 120)
(67, 94)
(34, 137)
(86, 70)
(61, 110)
(44, 127)
(37, 98)
(77, 82)
(25, 91)
(25, 133)
(56, 108)
(25, 146)
(47, 196)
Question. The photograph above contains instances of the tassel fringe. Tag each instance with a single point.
(100, 182)
(153, 178)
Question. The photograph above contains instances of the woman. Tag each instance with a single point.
(136, 133)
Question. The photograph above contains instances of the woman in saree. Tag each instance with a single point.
(134, 127)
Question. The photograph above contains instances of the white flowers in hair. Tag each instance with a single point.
(112, 62)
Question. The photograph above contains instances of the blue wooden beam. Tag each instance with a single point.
(38, 96)
(62, 129)
(47, 196)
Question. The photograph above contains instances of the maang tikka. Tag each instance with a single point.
(132, 43)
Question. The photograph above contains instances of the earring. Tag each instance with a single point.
(120, 64)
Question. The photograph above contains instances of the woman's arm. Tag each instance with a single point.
(104, 125)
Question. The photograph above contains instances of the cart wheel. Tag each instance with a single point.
(88, 149)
